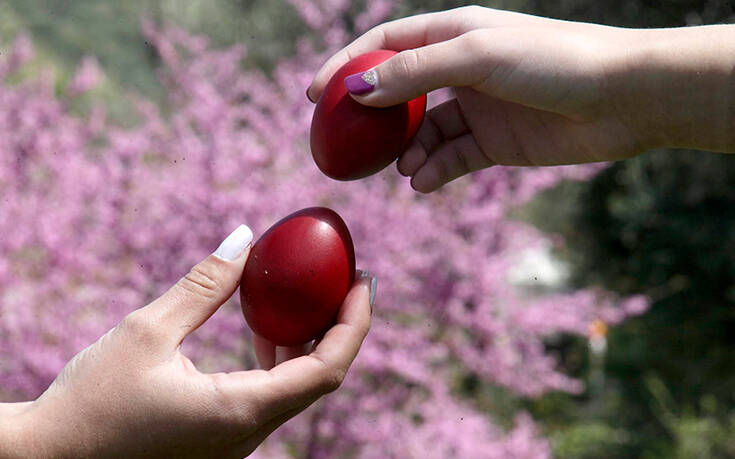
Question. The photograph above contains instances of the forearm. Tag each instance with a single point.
(677, 87)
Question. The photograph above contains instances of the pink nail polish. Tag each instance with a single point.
(361, 83)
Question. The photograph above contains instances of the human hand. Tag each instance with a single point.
(532, 91)
(134, 394)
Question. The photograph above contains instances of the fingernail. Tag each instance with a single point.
(373, 291)
(308, 96)
(361, 83)
(235, 243)
(373, 282)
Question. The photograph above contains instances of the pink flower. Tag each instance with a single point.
(97, 220)
(88, 76)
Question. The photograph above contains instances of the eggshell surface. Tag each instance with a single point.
(297, 276)
(349, 140)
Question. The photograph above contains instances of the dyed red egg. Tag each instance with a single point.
(297, 276)
(349, 140)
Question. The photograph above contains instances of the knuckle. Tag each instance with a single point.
(469, 14)
(376, 34)
(138, 325)
(463, 166)
(132, 322)
(475, 9)
(470, 8)
(332, 379)
(442, 169)
(407, 64)
(365, 329)
(475, 42)
(201, 281)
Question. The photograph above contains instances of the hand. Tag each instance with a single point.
(133, 393)
(532, 91)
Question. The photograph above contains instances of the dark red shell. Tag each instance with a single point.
(297, 276)
(349, 140)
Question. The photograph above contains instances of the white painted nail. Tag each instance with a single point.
(235, 243)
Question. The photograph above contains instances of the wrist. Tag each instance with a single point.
(676, 87)
(30, 430)
(16, 431)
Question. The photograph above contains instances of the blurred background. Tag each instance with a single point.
(660, 383)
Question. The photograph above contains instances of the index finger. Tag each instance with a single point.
(416, 31)
(397, 35)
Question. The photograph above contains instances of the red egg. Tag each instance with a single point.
(349, 140)
(297, 276)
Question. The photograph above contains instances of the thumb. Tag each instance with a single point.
(208, 285)
(414, 72)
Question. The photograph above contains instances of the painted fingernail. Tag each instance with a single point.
(373, 283)
(361, 83)
(235, 243)
(308, 96)
(373, 291)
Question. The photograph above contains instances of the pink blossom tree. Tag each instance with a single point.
(96, 220)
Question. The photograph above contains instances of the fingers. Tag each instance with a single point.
(413, 72)
(441, 124)
(291, 352)
(398, 35)
(302, 380)
(322, 371)
(265, 352)
(444, 149)
(196, 296)
(451, 160)
(270, 355)
(419, 31)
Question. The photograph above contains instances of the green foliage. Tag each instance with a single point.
(267, 28)
(64, 32)
(590, 441)
(662, 224)
(705, 437)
